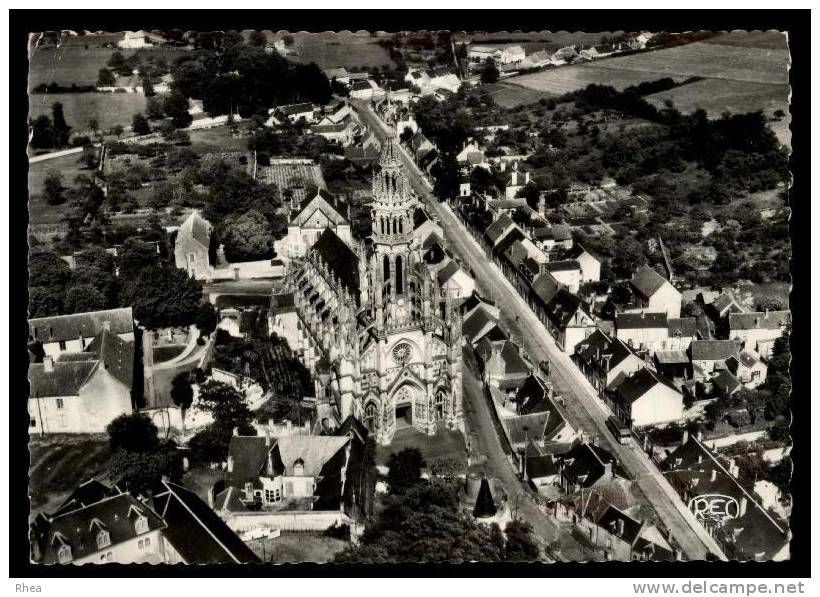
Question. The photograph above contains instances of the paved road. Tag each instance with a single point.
(585, 409)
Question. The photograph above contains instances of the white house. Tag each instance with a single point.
(645, 399)
(82, 392)
(191, 247)
(73, 333)
(643, 331)
(567, 272)
(590, 265)
(759, 330)
(515, 181)
(512, 54)
(655, 293)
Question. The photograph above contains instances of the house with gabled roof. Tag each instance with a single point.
(566, 317)
(642, 331)
(758, 330)
(116, 528)
(645, 398)
(710, 356)
(293, 473)
(587, 465)
(590, 265)
(191, 246)
(748, 368)
(606, 360)
(655, 293)
(501, 363)
(725, 505)
(316, 214)
(73, 333)
(540, 418)
(82, 392)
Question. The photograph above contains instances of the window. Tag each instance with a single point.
(144, 543)
(62, 344)
(141, 526)
(103, 539)
(755, 374)
(60, 403)
(32, 423)
(64, 554)
(272, 495)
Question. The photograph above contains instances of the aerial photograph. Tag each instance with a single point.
(374, 297)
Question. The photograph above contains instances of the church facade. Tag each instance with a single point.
(382, 340)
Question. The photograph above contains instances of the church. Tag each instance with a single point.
(382, 340)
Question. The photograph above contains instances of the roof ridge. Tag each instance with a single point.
(228, 551)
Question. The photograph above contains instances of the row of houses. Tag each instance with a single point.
(572, 474)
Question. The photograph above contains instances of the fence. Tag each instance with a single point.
(319, 520)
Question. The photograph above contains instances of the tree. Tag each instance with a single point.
(136, 471)
(47, 270)
(118, 130)
(134, 256)
(176, 106)
(53, 188)
(133, 432)
(182, 393)
(258, 39)
(83, 298)
(105, 78)
(162, 296)
(153, 108)
(95, 266)
(229, 409)
(406, 135)
(44, 302)
(117, 62)
(489, 73)
(206, 318)
(93, 125)
(62, 131)
(247, 238)
(139, 124)
(42, 133)
(147, 87)
(404, 469)
(521, 543)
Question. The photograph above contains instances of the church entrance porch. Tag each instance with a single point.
(404, 416)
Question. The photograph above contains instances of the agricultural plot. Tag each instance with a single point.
(717, 96)
(565, 79)
(332, 50)
(45, 219)
(108, 109)
(508, 95)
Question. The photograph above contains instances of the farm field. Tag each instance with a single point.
(331, 50)
(566, 79)
(717, 96)
(74, 63)
(535, 41)
(751, 39)
(45, 219)
(108, 109)
(509, 95)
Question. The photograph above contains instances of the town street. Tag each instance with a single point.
(588, 413)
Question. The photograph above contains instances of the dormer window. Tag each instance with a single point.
(141, 525)
(298, 468)
(103, 539)
(64, 553)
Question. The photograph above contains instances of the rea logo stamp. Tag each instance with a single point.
(714, 507)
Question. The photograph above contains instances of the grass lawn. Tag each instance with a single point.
(41, 212)
(331, 50)
(509, 95)
(217, 139)
(443, 444)
(107, 108)
(297, 547)
(61, 462)
(166, 353)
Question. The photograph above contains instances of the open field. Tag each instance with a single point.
(717, 96)
(74, 63)
(61, 462)
(509, 95)
(751, 39)
(107, 108)
(43, 216)
(331, 50)
(565, 79)
(534, 41)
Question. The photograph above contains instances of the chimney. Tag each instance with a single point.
(211, 497)
(734, 470)
(609, 473)
(620, 531)
(685, 437)
(267, 438)
(741, 509)
(713, 475)
(48, 364)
